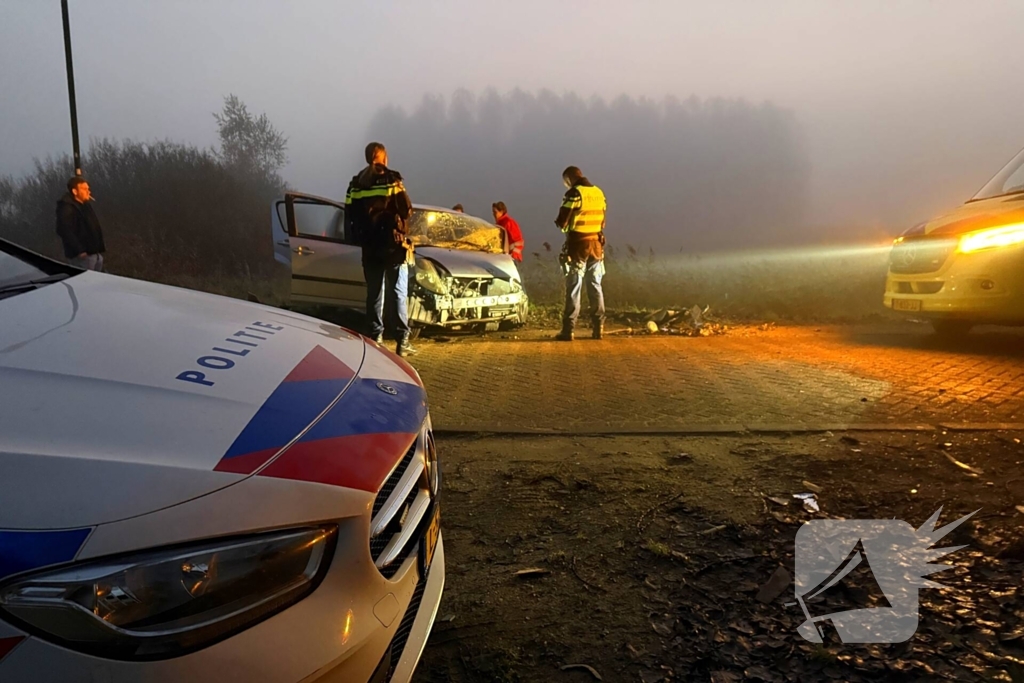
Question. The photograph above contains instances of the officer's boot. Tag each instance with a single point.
(566, 333)
(598, 329)
(404, 348)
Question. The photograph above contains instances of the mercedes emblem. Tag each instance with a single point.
(906, 256)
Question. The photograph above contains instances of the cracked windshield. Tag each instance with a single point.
(454, 231)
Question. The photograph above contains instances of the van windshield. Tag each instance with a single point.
(1008, 181)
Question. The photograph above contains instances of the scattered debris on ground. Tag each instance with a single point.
(687, 322)
(662, 569)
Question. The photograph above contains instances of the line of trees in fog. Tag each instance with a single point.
(679, 175)
(689, 175)
(170, 212)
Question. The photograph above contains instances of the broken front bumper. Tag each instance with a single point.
(448, 311)
(447, 303)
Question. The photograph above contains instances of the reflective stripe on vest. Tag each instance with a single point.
(590, 216)
(375, 191)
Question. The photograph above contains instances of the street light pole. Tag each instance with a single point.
(71, 88)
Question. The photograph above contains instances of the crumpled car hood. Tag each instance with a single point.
(465, 263)
(119, 397)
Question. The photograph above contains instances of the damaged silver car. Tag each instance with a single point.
(463, 277)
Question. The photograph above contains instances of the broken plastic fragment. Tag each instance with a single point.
(809, 500)
(697, 315)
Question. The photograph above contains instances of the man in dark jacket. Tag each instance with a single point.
(377, 209)
(78, 227)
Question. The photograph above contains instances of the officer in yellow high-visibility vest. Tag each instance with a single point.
(581, 218)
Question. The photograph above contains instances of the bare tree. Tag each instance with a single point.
(249, 142)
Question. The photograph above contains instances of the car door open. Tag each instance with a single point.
(326, 267)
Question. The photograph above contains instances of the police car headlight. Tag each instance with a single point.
(429, 276)
(163, 603)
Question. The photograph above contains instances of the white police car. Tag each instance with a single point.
(194, 488)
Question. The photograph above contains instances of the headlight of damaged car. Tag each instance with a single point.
(430, 276)
(1004, 236)
(159, 604)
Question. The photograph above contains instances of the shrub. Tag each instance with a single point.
(170, 212)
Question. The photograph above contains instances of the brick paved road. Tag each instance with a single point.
(804, 377)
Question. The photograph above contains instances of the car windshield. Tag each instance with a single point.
(14, 271)
(451, 230)
(1010, 180)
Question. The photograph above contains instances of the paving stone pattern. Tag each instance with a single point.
(801, 376)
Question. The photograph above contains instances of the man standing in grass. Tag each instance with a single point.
(79, 228)
(581, 218)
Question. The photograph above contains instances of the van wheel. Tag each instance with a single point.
(952, 329)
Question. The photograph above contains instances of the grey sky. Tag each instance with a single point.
(908, 106)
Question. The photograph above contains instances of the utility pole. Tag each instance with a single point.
(71, 88)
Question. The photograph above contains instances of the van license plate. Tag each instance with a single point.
(906, 304)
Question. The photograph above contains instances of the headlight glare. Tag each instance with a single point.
(160, 604)
(992, 238)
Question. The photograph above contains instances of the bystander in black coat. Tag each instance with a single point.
(78, 227)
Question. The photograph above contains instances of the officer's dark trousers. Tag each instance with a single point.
(387, 285)
(590, 274)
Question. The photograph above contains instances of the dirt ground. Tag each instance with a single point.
(647, 555)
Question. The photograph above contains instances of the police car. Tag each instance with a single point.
(194, 488)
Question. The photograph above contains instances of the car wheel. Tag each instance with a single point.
(952, 329)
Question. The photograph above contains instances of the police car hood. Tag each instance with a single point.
(467, 263)
(120, 397)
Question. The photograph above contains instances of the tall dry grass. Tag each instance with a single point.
(803, 284)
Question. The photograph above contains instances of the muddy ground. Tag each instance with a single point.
(650, 553)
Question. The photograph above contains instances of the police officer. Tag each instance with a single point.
(582, 218)
(377, 209)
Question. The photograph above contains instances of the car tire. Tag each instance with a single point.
(952, 329)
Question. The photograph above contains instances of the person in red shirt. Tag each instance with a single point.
(515, 235)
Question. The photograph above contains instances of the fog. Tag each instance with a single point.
(865, 117)
(679, 175)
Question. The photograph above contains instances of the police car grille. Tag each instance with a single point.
(401, 508)
(380, 543)
(920, 255)
(405, 626)
(392, 481)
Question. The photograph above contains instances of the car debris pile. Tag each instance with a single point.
(687, 322)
